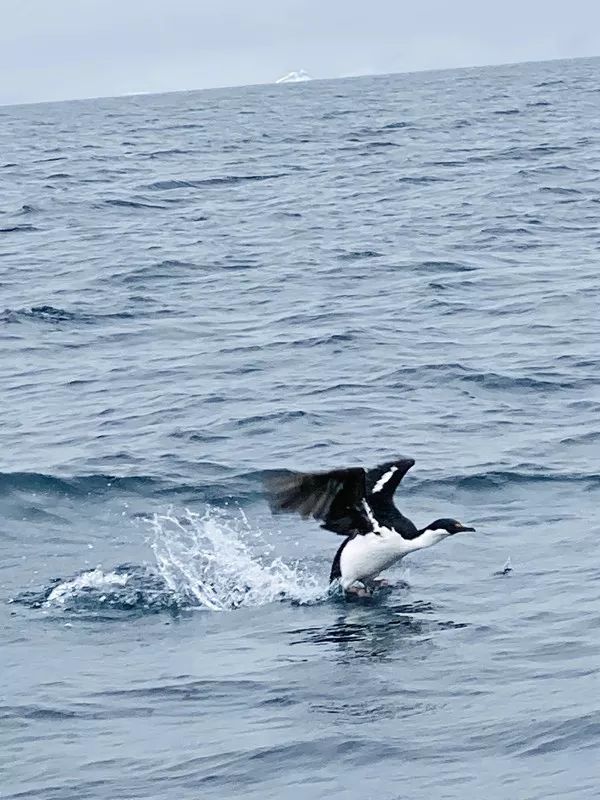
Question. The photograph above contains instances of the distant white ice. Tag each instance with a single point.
(295, 77)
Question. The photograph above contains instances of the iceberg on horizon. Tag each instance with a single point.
(298, 76)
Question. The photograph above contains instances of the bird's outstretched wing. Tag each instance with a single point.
(384, 479)
(336, 498)
(382, 482)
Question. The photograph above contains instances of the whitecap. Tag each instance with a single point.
(94, 580)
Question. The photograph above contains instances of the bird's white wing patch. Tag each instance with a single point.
(371, 517)
(384, 479)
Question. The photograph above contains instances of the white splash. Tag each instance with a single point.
(93, 580)
(211, 559)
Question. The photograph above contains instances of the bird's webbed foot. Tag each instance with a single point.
(376, 583)
(359, 590)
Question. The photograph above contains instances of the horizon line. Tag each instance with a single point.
(143, 93)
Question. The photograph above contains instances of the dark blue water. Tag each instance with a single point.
(197, 287)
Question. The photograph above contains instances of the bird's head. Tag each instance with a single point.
(442, 528)
(450, 526)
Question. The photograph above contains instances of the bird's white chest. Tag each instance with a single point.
(366, 556)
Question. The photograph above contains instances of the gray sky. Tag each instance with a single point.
(58, 49)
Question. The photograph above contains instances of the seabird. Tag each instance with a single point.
(358, 504)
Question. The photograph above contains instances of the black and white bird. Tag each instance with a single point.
(358, 504)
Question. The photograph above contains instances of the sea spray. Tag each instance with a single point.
(212, 560)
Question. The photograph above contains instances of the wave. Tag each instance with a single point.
(157, 271)
(487, 380)
(356, 255)
(221, 485)
(220, 181)
(392, 126)
(19, 229)
(418, 180)
(494, 380)
(185, 126)
(444, 266)
(494, 479)
(128, 587)
(224, 485)
(561, 190)
(50, 159)
(377, 144)
(582, 438)
(516, 153)
(84, 485)
(132, 204)
(275, 417)
(51, 314)
(173, 151)
(446, 163)
(40, 313)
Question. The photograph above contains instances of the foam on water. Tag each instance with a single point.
(94, 580)
(213, 559)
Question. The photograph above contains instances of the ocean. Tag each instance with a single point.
(199, 287)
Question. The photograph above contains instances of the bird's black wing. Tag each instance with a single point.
(384, 479)
(334, 497)
(382, 482)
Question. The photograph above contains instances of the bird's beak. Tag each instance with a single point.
(465, 529)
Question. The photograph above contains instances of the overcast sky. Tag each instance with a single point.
(58, 49)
